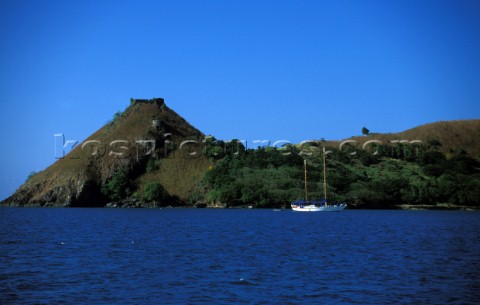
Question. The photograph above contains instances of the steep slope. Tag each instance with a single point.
(147, 129)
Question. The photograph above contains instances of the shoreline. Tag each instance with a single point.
(143, 205)
(437, 207)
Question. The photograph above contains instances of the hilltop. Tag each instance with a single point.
(146, 134)
(448, 137)
(149, 156)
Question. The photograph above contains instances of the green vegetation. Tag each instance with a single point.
(151, 165)
(385, 177)
(123, 186)
(382, 176)
(119, 186)
(431, 164)
(32, 173)
(154, 191)
(116, 117)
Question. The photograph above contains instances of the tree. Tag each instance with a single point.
(434, 143)
(154, 191)
(365, 131)
(118, 186)
(151, 166)
(117, 116)
(33, 173)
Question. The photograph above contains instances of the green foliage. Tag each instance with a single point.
(431, 157)
(382, 178)
(119, 186)
(263, 187)
(117, 116)
(434, 143)
(151, 165)
(217, 149)
(32, 173)
(365, 131)
(367, 158)
(266, 177)
(154, 191)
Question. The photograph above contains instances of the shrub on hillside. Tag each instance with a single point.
(118, 186)
(154, 191)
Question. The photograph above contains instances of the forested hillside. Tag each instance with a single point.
(149, 156)
(384, 176)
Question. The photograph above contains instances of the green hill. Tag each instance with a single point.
(149, 156)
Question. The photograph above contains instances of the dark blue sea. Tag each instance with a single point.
(229, 256)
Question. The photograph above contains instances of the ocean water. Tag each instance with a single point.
(228, 256)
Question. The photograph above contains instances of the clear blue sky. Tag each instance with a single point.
(275, 70)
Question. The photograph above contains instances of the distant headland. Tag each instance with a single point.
(150, 156)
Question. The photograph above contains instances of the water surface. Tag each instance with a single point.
(221, 256)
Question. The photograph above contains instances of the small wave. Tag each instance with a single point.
(242, 281)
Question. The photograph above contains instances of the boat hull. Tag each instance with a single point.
(316, 208)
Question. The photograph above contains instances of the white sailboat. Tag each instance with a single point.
(317, 205)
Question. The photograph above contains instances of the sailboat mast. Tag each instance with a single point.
(324, 176)
(305, 166)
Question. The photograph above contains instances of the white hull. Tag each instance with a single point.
(315, 208)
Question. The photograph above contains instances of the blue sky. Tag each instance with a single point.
(274, 70)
